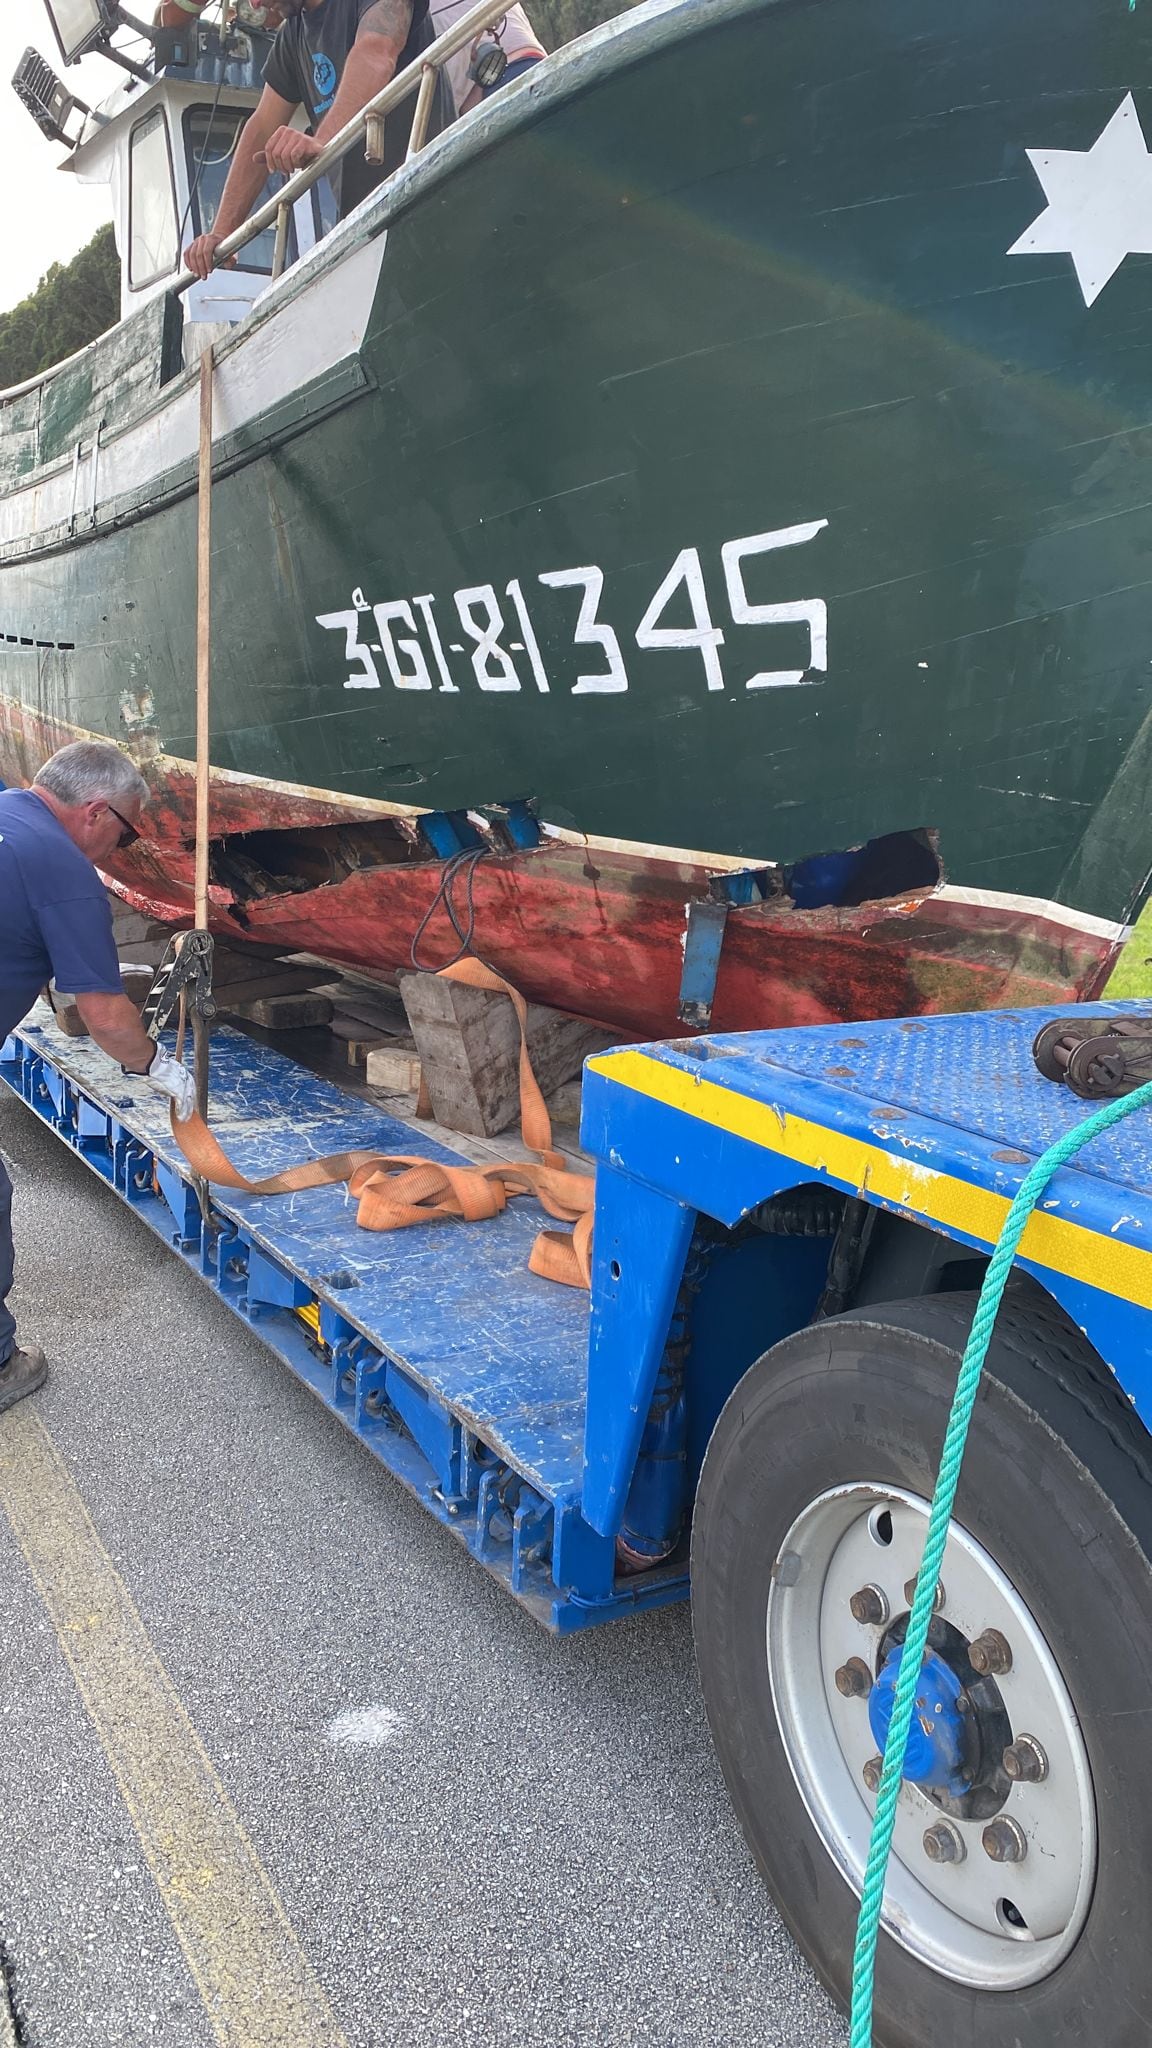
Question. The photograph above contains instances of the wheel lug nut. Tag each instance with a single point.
(869, 1606)
(990, 1654)
(910, 1595)
(1025, 1761)
(943, 1843)
(871, 1773)
(854, 1679)
(1004, 1841)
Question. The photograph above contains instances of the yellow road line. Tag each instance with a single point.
(258, 1988)
(1100, 1260)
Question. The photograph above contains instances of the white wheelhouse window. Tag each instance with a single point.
(210, 138)
(152, 251)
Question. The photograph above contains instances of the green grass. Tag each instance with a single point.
(1132, 974)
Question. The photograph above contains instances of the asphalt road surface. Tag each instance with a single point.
(475, 1832)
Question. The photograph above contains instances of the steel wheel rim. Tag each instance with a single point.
(960, 1920)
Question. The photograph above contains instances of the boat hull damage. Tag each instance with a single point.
(583, 926)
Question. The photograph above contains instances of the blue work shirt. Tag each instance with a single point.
(55, 918)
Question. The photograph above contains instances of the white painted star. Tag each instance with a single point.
(1099, 202)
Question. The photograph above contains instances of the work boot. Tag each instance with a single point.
(21, 1374)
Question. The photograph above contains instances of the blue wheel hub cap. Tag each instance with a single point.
(935, 1749)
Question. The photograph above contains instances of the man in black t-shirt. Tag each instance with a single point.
(330, 57)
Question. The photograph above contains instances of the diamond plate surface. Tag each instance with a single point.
(972, 1073)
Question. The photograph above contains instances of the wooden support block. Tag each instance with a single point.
(398, 1073)
(131, 927)
(382, 1014)
(469, 1046)
(235, 997)
(137, 981)
(285, 1012)
(361, 1048)
(564, 1105)
(235, 964)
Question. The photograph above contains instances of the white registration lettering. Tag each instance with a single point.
(589, 632)
(531, 644)
(416, 677)
(487, 637)
(424, 607)
(811, 611)
(348, 623)
(701, 634)
(484, 622)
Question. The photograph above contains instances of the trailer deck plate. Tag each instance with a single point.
(452, 1362)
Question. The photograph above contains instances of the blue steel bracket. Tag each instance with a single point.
(449, 833)
(531, 1539)
(639, 1248)
(703, 944)
(181, 1200)
(704, 939)
(514, 824)
(431, 1425)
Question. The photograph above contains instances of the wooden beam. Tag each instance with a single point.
(203, 712)
(469, 1047)
(203, 638)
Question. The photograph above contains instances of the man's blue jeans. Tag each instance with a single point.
(7, 1260)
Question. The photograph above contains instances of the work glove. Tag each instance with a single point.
(168, 1077)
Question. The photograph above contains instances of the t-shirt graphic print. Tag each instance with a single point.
(305, 66)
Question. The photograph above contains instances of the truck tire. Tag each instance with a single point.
(814, 1493)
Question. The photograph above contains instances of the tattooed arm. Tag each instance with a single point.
(372, 61)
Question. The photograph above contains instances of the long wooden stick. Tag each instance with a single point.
(203, 637)
(203, 709)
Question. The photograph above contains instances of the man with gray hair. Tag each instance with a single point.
(56, 924)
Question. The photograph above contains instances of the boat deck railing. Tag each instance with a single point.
(419, 77)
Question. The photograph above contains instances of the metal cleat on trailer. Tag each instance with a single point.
(790, 1231)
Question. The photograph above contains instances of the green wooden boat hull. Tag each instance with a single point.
(708, 333)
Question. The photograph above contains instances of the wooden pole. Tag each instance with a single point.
(203, 637)
(203, 708)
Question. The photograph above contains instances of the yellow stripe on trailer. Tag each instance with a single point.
(923, 1191)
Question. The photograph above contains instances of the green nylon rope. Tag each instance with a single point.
(964, 1400)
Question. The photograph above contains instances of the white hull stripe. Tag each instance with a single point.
(1034, 907)
(263, 365)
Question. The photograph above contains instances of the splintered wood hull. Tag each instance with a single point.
(601, 930)
(684, 443)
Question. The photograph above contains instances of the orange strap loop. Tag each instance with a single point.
(395, 1190)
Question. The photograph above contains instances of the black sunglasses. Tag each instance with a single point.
(129, 835)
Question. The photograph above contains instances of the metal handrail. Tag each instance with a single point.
(369, 121)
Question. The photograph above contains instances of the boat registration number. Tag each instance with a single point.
(501, 648)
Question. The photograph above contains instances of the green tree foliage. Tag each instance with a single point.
(560, 21)
(71, 305)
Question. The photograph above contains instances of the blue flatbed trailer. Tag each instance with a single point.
(790, 1230)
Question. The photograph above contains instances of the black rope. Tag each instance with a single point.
(194, 188)
(466, 862)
